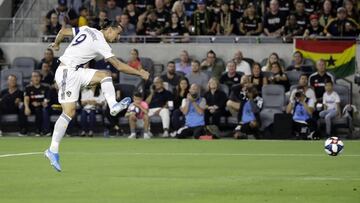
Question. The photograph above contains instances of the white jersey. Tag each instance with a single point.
(331, 100)
(87, 44)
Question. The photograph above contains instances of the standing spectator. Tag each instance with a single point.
(230, 77)
(36, 102)
(49, 59)
(11, 100)
(216, 102)
(175, 32)
(190, 7)
(273, 20)
(170, 76)
(273, 57)
(226, 20)
(134, 60)
(83, 16)
(193, 108)
(66, 16)
(302, 18)
(99, 22)
(92, 101)
(132, 12)
(303, 84)
(213, 65)
(163, 16)
(342, 26)
(181, 92)
(53, 27)
(47, 75)
(179, 9)
(326, 13)
(291, 29)
(331, 101)
(158, 104)
(202, 21)
(351, 10)
(129, 30)
(241, 65)
(138, 116)
(184, 65)
(112, 10)
(257, 79)
(251, 23)
(196, 76)
(315, 29)
(318, 79)
(278, 77)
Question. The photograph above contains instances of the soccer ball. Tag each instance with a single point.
(334, 146)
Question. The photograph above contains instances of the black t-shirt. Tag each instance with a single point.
(285, 6)
(54, 64)
(160, 99)
(174, 81)
(202, 22)
(237, 94)
(302, 20)
(178, 31)
(52, 30)
(310, 6)
(190, 8)
(251, 24)
(48, 79)
(37, 94)
(163, 17)
(226, 80)
(69, 13)
(274, 22)
(318, 83)
(8, 101)
(219, 99)
(142, 4)
(318, 32)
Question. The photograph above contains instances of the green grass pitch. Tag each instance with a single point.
(172, 171)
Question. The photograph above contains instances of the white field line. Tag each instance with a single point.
(20, 154)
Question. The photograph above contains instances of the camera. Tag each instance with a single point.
(298, 94)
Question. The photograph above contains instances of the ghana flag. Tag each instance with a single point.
(340, 55)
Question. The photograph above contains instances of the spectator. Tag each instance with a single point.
(66, 16)
(83, 16)
(179, 9)
(273, 57)
(99, 22)
(47, 75)
(310, 6)
(144, 5)
(342, 26)
(129, 30)
(299, 63)
(132, 12)
(230, 77)
(190, 7)
(93, 8)
(148, 25)
(284, 6)
(273, 20)
(226, 20)
(302, 109)
(315, 29)
(278, 77)
(163, 16)
(216, 102)
(196, 76)
(53, 27)
(249, 118)
(158, 104)
(213, 65)
(303, 84)
(175, 32)
(326, 13)
(134, 60)
(138, 116)
(257, 79)
(251, 23)
(49, 59)
(302, 19)
(181, 92)
(237, 93)
(36, 102)
(11, 101)
(193, 107)
(92, 101)
(331, 101)
(112, 10)
(170, 77)
(202, 21)
(291, 29)
(241, 65)
(318, 79)
(351, 10)
(238, 7)
(184, 65)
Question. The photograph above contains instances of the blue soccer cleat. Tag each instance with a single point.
(123, 104)
(54, 159)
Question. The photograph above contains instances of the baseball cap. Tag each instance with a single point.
(313, 16)
(62, 2)
(201, 2)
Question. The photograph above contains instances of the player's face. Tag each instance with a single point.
(113, 34)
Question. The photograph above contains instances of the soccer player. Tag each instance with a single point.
(71, 76)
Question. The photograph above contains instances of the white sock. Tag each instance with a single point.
(59, 132)
(108, 90)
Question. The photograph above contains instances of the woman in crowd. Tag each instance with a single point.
(181, 92)
(257, 78)
(278, 77)
(215, 102)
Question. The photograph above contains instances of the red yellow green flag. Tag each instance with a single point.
(340, 55)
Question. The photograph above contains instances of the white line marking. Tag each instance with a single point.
(20, 154)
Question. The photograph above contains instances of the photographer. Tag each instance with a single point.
(302, 109)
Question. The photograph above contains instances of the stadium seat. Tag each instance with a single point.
(127, 79)
(293, 76)
(250, 61)
(26, 65)
(6, 72)
(224, 88)
(148, 64)
(274, 102)
(127, 90)
(281, 61)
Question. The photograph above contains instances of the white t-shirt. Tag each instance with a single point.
(331, 100)
(88, 94)
(87, 44)
(244, 67)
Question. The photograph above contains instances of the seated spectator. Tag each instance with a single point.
(66, 16)
(144, 5)
(249, 115)
(148, 25)
(308, 91)
(179, 9)
(175, 32)
(158, 104)
(193, 107)
(273, 20)
(53, 27)
(301, 18)
(278, 77)
(112, 10)
(137, 113)
(99, 22)
(318, 79)
(213, 65)
(351, 10)
(134, 60)
(92, 101)
(47, 75)
(36, 102)
(326, 14)
(342, 26)
(257, 79)
(274, 57)
(310, 6)
(83, 16)
(163, 15)
(216, 102)
(251, 23)
(291, 29)
(11, 100)
(196, 76)
(284, 6)
(190, 7)
(315, 29)
(129, 29)
(302, 109)
(231, 77)
(237, 93)
(181, 92)
(239, 8)
(241, 65)
(170, 76)
(202, 21)
(132, 12)
(331, 102)
(299, 63)
(226, 20)
(93, 8)
(184, 65)
(49, 59)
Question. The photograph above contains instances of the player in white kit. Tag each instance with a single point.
(87, 44)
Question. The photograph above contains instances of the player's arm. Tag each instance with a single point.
(123, 67)
(60, 36)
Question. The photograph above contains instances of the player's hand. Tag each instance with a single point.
(54, 46)
(144, 74)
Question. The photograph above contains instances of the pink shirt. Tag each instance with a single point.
(139, 115)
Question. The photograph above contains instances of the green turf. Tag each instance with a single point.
(167, 171)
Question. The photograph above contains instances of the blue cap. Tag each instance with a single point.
(62, 2)
(201, 2)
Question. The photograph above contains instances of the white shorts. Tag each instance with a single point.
(70, 81)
